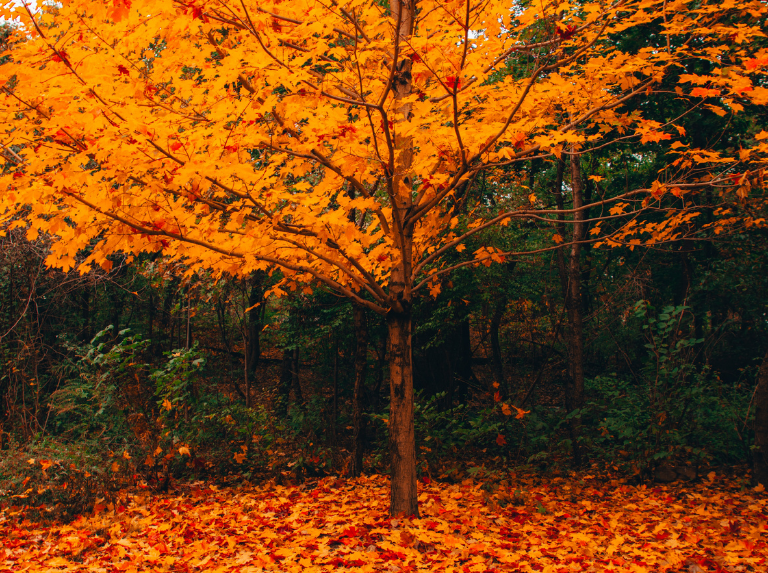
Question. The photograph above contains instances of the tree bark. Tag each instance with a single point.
(569, 269)
(498, 362)
(253, 340)
(361, 362)
(575, 316)
(295, 382)
(402, 434)
(284, 385)
(761, 425)
(335, 404)
(166, 319)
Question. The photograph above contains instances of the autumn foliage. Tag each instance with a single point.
(336, 525)
(339, 142)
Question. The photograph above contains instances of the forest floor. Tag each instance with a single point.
(557, 525)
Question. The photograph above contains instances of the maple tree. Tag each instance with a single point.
(339, 141)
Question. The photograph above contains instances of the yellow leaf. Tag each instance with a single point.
(532, 198)
(184, 450)
(167, 404)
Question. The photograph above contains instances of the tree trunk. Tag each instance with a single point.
(361, 362)
(253, 341)
(761, 425)
(498, 363)
(574, 305)
(246, 378)
(295, 382)
(188, 329)
(284, 385)
(463, 358)
(335, 404)
(402, 435)
(166, 318)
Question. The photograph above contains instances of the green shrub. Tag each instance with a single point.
(675, 406)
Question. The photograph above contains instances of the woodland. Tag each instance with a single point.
(383, 285)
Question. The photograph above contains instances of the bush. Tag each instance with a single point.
(55, 481)
(675, 407)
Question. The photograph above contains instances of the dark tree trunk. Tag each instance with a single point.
(255, 296)
(761, 425)
(402, 435)
(295, 382)
(166, 320)
(569, 270)
(575, 316)
(498, 362)
(575, 395)
(284, 389)
(116, 309)
(151, 315)
(463, 358)
(188, 325)
(335, 404)
(86, 313)
(361, 362)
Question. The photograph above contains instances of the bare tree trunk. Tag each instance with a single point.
(335, 411)
(361, 362)
(761, 425)
(402, 434)
(255, 297)
(284, 388)
(247, 379)
(498, 362)
(188, 332)
(295, 382)
(569, 270)
(166, 319)
(575, 395)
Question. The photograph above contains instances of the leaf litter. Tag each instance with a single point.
(528, 525)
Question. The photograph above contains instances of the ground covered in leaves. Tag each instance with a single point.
(556, 525)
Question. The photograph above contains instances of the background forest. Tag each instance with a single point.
(148, 372)
(166, 373)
